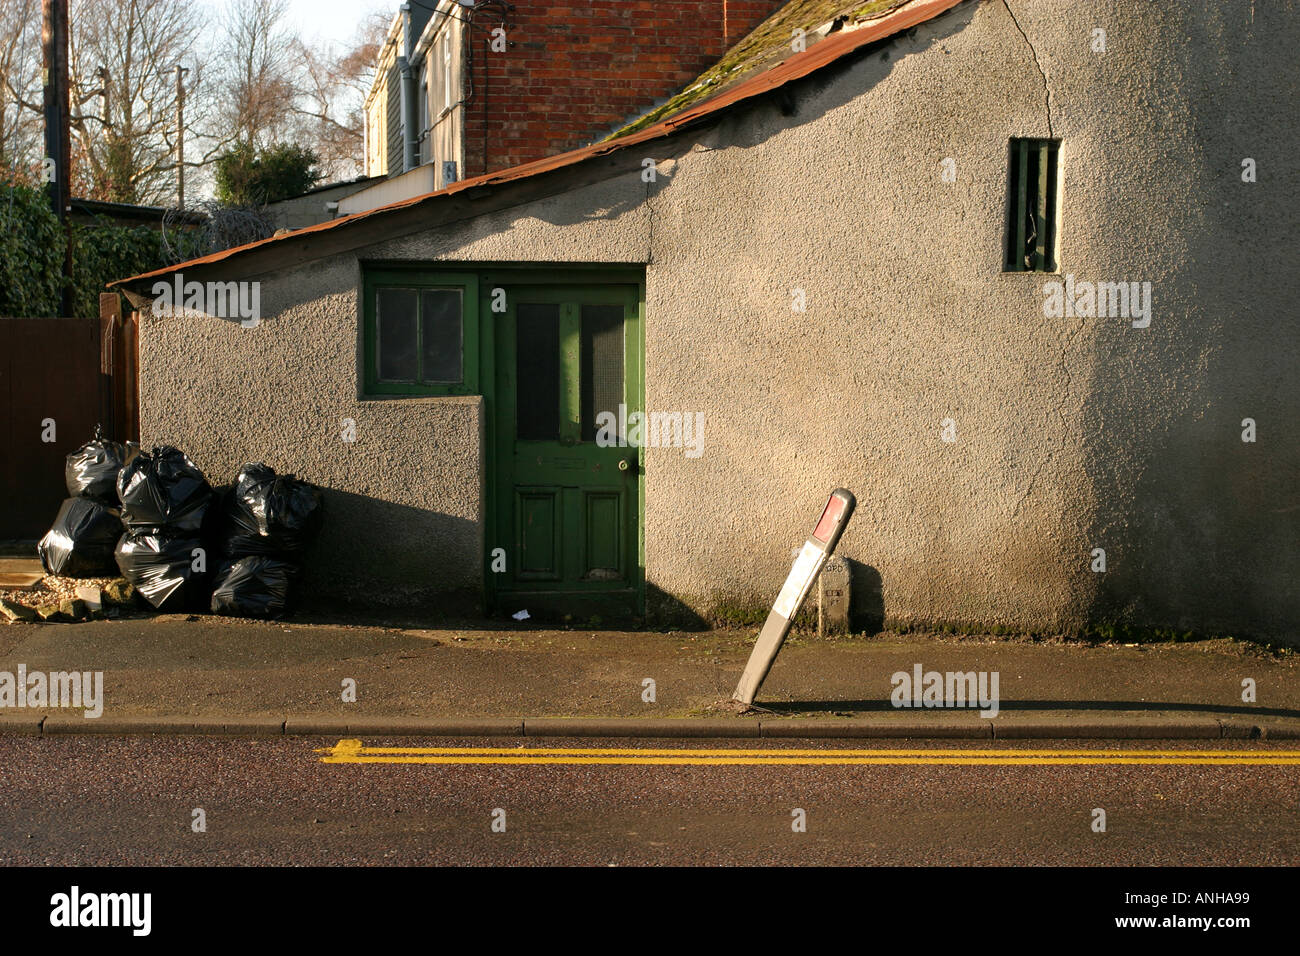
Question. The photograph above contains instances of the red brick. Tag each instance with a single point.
(574, 70)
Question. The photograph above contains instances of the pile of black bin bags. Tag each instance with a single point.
(162, 538)
(81, 542)
(268, 521)
(166, 508)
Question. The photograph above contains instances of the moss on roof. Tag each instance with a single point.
(765, 47)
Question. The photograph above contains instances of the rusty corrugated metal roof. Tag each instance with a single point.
(797, 66)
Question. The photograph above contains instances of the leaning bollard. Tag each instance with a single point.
(806, 568)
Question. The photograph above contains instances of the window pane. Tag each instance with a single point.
(602, 364)
(396, 335)
(440, 335)
(537, 370)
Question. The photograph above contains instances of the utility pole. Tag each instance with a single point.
(58, 146)
(180, 135)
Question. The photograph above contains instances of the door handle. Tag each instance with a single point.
(627, 464)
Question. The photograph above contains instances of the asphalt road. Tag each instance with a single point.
(89, 800)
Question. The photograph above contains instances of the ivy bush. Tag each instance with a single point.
(31, 256)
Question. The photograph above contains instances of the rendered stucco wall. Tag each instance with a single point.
(403, 515)
(1072, 433)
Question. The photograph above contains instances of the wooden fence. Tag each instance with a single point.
(59, 378)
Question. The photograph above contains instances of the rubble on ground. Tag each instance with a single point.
(67, 599)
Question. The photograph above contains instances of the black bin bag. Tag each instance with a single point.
(270, 514)
(161, 567)
(164, 490)
(81, 542)
(91, 471)
(255, 586)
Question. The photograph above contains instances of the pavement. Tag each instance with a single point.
(190, 801)
(211, 675)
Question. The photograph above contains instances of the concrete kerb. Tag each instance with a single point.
(636, 727)
(1150, 729)
(215, 726)
(1278, 731)
(663, 728)
(403, 727)
(880, 729)
(21, 724)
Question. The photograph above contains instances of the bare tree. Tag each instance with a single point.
(123, 56)
(20, 90)
(330, 106)
(222, 227)
(258, 88)
(253, 81)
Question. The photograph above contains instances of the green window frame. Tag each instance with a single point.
(1033, 175)
(382, 284)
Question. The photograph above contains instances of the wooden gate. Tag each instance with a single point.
(59, 378)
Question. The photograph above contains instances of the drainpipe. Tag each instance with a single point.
(410, 103)
(410, 145)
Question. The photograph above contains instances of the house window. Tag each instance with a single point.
(420, 333)
(1033, 180)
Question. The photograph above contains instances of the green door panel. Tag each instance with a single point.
(603, 518)
(538, 534)
(563, 355)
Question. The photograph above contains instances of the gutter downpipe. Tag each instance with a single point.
(410, 143)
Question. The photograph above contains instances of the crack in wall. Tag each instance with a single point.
(1029, 489)
(1047, 90)
(650, 218)
(1067, 344)
(1066, 348)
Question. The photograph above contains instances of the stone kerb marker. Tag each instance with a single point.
(835, 516)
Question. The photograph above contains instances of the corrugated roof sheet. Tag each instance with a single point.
(794, 67)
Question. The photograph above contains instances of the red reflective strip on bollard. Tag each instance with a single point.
(834, 508)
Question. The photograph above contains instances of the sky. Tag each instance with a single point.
(332, 20)
(335, 20)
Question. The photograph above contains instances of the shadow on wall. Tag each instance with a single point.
(665, 610)
(866, 611)
(1202, 528)
(867, 603)
(378, 553)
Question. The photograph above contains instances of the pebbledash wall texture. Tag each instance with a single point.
(1071, 433)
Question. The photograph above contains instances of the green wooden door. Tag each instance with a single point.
(567, 492)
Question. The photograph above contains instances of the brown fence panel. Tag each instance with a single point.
(8, 458)
(51, 398)
(118, 368)
(126, 377)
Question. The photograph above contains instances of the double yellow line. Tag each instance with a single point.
(354, 752)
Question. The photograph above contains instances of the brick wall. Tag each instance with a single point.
(572, 72)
